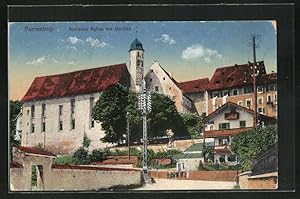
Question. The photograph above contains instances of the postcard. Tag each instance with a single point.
(143, 105)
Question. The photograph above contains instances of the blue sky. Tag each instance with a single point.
(189, 50)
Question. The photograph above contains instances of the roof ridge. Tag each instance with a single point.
(81, 70)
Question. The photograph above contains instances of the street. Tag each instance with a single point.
(167, 184)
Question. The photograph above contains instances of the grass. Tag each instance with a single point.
(120, 187)
(236, 186)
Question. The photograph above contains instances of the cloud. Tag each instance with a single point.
(56, 61)
(74, 40)
(71, 63)
(71, 47)
(95, 43)
(166, 38)
(88, 42)
(197, 51)
(40, 60)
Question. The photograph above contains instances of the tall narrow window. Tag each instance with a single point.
(43, 110)
(60, 125)
(32, 111)
(43, 124)
(32, 128)
(60, 110)
(72, 105)
(92, 122)
(73, 124)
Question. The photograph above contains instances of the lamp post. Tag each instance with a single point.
(127, 117)
(144, 105)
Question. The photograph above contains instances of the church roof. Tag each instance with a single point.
(194, 86)
(136, 45)
(74, 83)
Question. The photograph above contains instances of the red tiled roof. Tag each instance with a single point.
(163, 161)
(33, 150)
(73, 83)
(193, 86)
(118, 160)
(224, 150)
(80, 167)
(234, 76)
(227, 132)
(14, 164)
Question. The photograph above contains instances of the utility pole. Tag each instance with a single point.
(127, 115)
(254, 81)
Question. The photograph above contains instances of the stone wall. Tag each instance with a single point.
(90, 179)
(262, 181)
(228, 175)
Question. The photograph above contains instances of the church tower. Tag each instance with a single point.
(136, 65)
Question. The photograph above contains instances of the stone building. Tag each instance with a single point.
(226, 122)
(196, 90)
(57, 109)
(160, 81)
(235, 84)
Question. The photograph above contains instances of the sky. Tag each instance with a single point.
(189, 50)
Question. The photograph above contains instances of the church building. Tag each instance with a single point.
(57, 109)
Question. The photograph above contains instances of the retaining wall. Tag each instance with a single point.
(225, 175)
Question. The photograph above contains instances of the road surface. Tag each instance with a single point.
(171, 184)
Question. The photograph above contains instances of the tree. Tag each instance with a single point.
(193, 123)
(164, 116)
(248, 144)
(110, 110)
(112, 107)
(15, 109)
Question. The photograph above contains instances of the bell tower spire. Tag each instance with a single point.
(136, 65)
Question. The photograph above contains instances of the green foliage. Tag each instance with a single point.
(236, 186)
(81, 156)
(207, 152)
(86, 141)
(193, 123)
(164, 116)
(97, 155)
(247, 145)
(112, 107)
(216, 167)
(14, 110)
(110, 110)
(39, 146)
(68, 159)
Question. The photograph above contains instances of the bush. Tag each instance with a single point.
(64, 160)
(222, 159)
(81, 156)
(97, 155)
(86, 141)
(247, 145)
